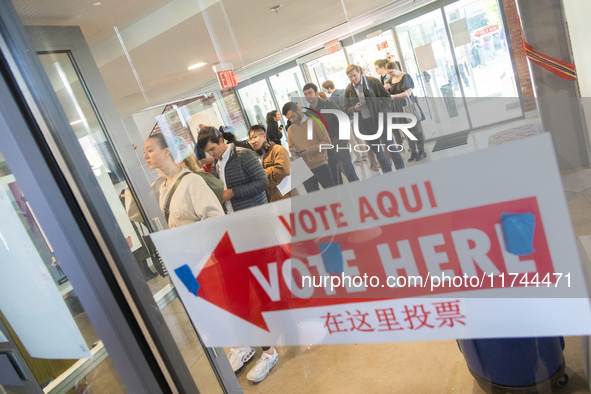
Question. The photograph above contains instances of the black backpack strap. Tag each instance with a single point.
(169, 198)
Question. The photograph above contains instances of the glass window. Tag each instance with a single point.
(287, 85)
(329, 67)
(484, 62)
(257, 102)
(423, 39)
(366, 52)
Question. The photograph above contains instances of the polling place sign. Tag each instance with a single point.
(475, 246)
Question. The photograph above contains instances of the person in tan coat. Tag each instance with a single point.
(274, 158)
(310, 150)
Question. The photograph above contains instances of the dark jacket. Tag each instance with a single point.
(273, 133)
(246, 177)
(337, 96)
(377, 97)
(331, 120)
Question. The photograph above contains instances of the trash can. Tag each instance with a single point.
(447, 91)
(515, 365)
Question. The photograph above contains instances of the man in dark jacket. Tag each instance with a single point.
(334, 94)
(368, 96)
(245, 180)
(338, 160)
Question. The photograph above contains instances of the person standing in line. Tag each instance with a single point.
(245, 184)
(338, 160)
(400, 86)
(274, 131)
(183, 197)
(337, 95)
(275, 161)
(245, 181)
(380, 66)
(384, 77)
(366, 96)
(315, 158)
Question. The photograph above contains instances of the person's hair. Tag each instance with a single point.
(353, 67)
(328, 84)
(206, 135)
(322, 95)
(191, 161)
(271, 116)
(230, 137)
(257, 127)
(381, 63)
(391, 66)
(309, 86)
(289, 106)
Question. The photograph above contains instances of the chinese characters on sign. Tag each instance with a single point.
(447, 314)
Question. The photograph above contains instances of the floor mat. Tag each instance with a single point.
(450, 142)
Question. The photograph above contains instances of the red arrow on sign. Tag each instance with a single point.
(250, 283)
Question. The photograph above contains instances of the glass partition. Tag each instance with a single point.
(366, 52)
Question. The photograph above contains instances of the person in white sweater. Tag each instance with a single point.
(193, 199)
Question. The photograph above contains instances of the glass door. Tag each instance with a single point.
(427, 55)
(48, 338)
(329, 68)
(257, 102)
(108, 152)
(366, 52)
(484, 61)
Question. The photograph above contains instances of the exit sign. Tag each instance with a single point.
(332, 47)
(227, 79)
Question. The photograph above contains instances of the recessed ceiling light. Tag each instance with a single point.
(76, 122)
(97, 3)
(194, 66)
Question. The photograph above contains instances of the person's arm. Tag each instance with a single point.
(349, 102)
(253, 167)
(280, 169)
(205, 203)
(206, 161)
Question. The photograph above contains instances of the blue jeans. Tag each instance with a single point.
(322, 175)
(340, 163)
(368, 127)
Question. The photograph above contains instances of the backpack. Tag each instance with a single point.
(215, 184)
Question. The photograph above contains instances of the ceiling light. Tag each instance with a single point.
(76, 122)
(194, 66)
(97, 3)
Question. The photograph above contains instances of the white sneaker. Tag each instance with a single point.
(263, 367)
(239, 356)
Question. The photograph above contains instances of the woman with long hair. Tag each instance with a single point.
(274, 133)
(183, 196)
(400, 86)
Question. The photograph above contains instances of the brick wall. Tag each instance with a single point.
(521, 61)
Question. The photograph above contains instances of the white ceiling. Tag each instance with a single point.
(165, 37)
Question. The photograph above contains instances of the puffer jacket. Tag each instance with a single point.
(246, 177)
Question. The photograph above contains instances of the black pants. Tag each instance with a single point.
(322, 176)
(368, 127)
(417, 146)
(340, 163)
